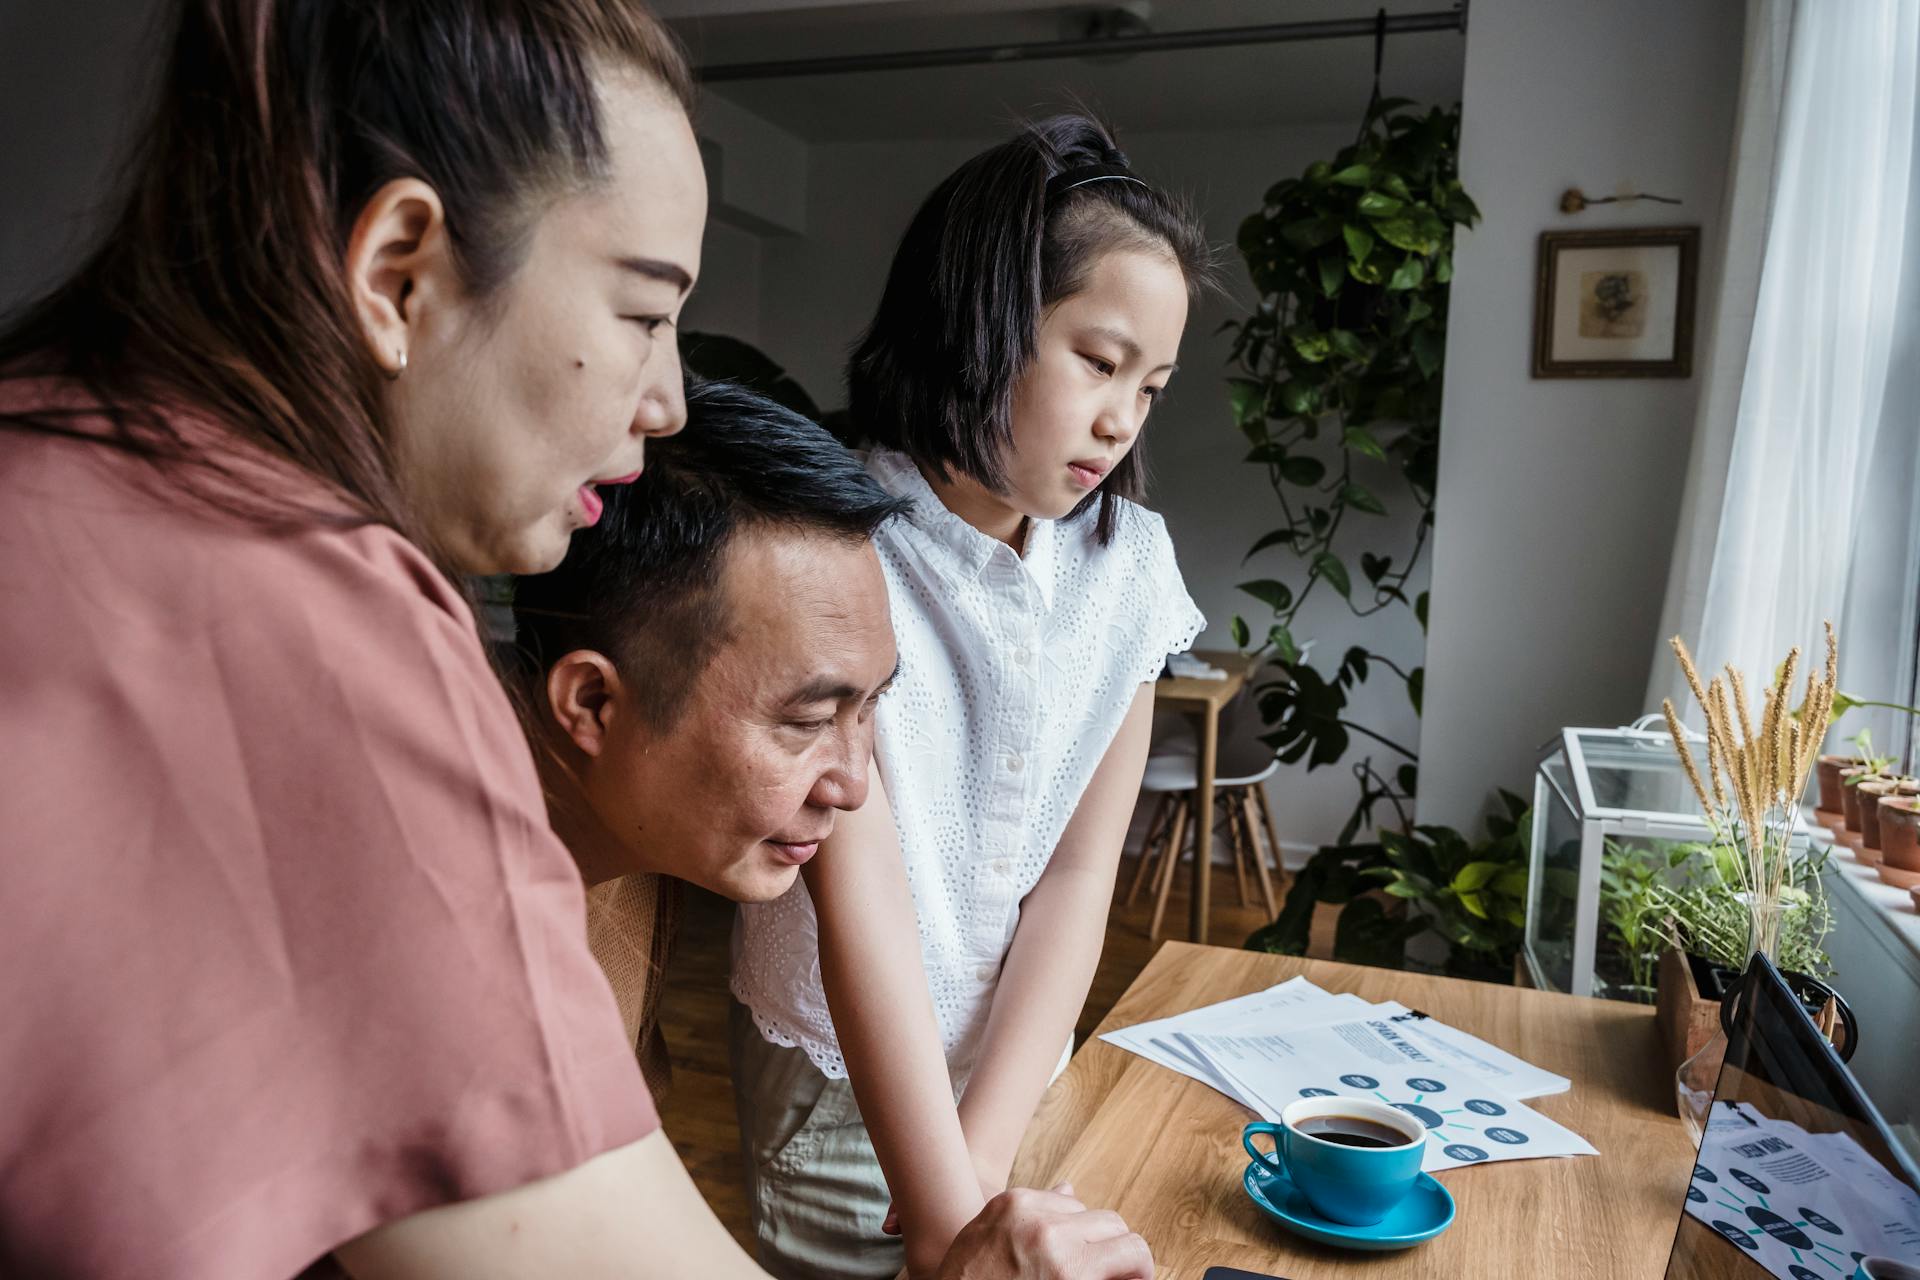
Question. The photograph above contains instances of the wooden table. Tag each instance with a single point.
(1164, 1151)
(1203, 699)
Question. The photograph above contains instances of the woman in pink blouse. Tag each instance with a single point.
(294, 972)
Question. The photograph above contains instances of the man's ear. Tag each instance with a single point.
(583, 689)
(398, 255)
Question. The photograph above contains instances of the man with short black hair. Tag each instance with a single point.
(701, 674)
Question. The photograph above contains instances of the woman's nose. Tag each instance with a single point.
(663, 398)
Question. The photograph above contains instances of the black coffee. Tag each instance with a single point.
(1353, 1131)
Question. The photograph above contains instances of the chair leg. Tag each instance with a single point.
(1247, 805)
(1236, 839)
(1273, 840)
(1154, 827)
(1167, 865)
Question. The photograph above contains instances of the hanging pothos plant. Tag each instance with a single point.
(1352, 261)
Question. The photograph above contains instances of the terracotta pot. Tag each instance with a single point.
(1872, 792)
(1900, 841)
(1850, 780)
(1827, 770)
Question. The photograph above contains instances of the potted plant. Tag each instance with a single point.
(1759, 894)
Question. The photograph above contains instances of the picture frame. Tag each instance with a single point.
(1617, 303)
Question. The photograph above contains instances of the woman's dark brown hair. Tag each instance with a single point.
(219, 290)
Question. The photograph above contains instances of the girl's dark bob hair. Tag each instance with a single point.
(980, 263)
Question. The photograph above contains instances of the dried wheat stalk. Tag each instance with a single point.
(1758, 769)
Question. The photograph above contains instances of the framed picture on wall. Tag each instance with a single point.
(1616, 304)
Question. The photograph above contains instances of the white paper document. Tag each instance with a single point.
(1799, 1203)
(1471, 1122)
(1298, 1003)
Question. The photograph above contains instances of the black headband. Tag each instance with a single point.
(1061, 183)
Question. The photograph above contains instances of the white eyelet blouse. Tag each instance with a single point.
(1015, 674)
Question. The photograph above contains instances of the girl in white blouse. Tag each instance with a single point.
(1032, 314)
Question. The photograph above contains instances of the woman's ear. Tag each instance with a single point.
(398, 253)
(582, 689)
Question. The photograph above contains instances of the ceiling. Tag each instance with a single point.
(1310, 82)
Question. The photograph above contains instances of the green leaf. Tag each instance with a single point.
(1417, 688)
(1329, 566)
(1471, 901)
(1318, 172)
(1359, 241)
(1408, 275)
(1302, 470)
(1357, 439)
(1333, 273)
(1512, 882)
(1276, 538)
(1240, 633)
(1310, 233)
(1274, 594)
(1420, 609)
(1429, 349)
(1297, 396)
(1310, 343)
(1347, 343)
(1408, 778)
(1248, 399)
(1375, 205)
(1361, 498)
(1374, 567)
(1442, 267)
(1403, 233)
(1354, 175)
(1475, 875)
(1282, 641)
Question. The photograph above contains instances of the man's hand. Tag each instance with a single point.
(1025, 1234)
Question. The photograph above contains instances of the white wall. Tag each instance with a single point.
(817, 292)
(1557, 498)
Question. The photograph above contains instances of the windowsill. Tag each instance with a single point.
(1876, 900)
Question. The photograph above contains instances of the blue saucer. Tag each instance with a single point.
(1424, 1214)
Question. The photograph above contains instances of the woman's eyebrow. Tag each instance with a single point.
(657, 269)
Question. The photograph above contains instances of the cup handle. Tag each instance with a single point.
(1272, 1159)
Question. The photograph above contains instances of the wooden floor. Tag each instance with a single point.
(698, 1113)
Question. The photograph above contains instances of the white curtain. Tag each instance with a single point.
(1791, 492)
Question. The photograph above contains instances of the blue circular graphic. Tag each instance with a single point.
(1461, 1151)
(1703, 1174)
(1695, 1194)
(1425, 1115)
(1481, 1107)
(1512, 1137)
(1779, 1228)
(1736, 1235)
(1748, 1180)
(1318, 1093)
(1360, 1082)
(1420, 1084)
(1821, 1221)
(1799, 1272)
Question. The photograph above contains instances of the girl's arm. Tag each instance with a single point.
(1056, 946)
(876, 989)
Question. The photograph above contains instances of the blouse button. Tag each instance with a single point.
(1001, 866)
(1013, 764)
(985, 972)
(1023, 657)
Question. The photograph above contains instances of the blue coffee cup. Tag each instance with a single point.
(1355, 1185)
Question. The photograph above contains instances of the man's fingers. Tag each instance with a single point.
(1064, 1189)
(1121, 1257)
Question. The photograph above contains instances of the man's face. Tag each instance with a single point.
(775, 737)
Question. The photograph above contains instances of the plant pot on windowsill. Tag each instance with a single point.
(1872, 792)
(1831, 808)
(1900, 841)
